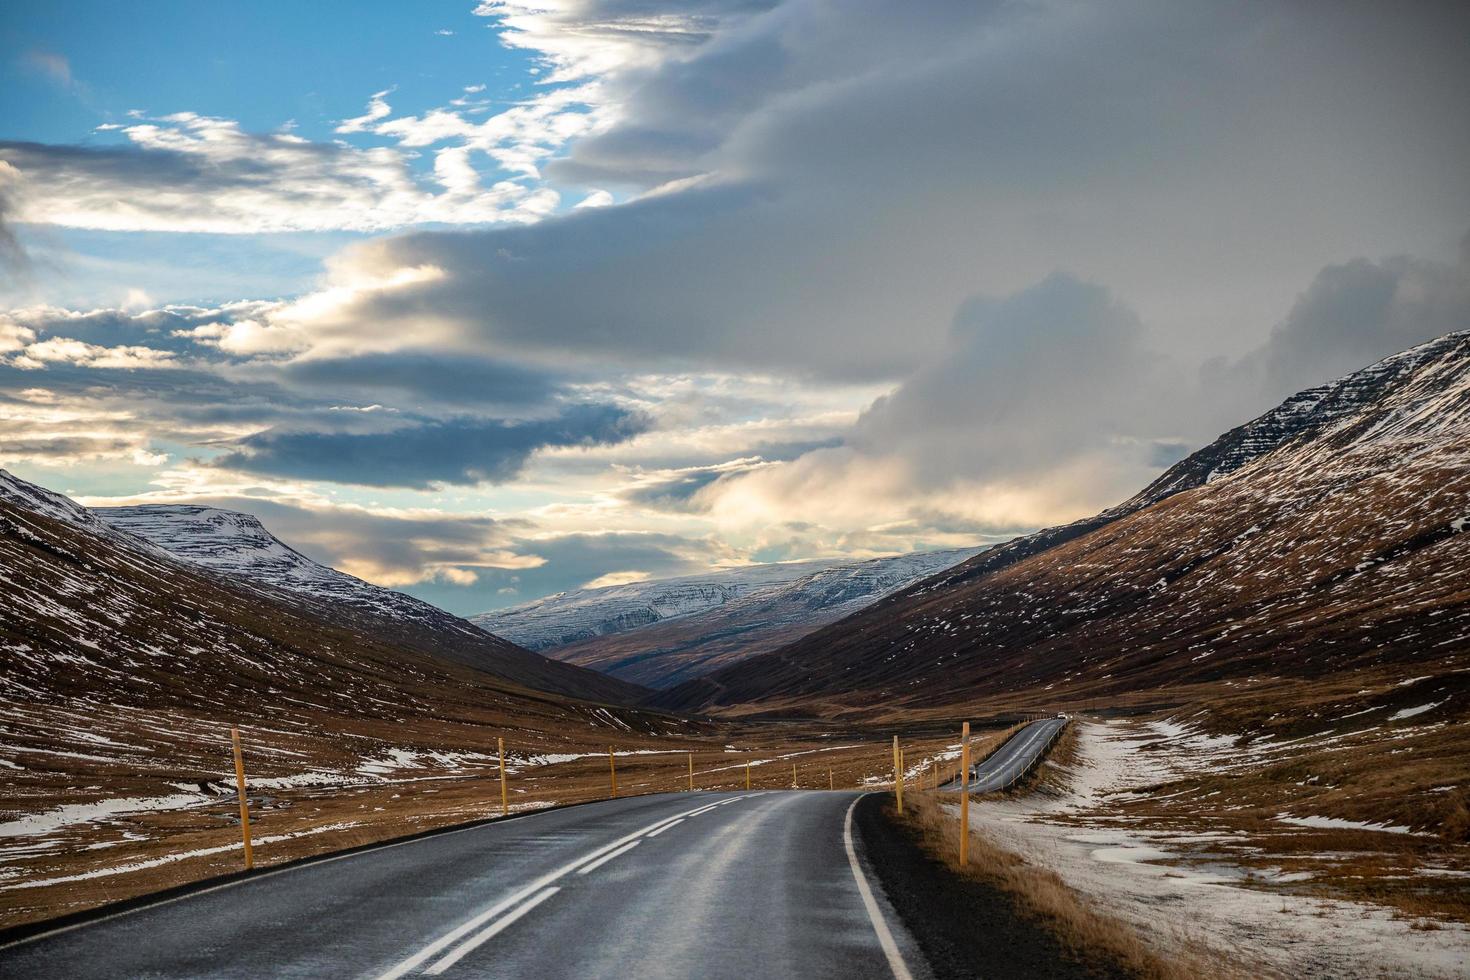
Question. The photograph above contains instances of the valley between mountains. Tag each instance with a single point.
(1266, 653)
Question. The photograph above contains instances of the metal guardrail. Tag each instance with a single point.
(1036, 760)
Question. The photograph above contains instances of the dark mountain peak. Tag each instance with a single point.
(1374, 394)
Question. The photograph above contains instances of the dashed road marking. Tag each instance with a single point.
(587, 869)
(495, 929)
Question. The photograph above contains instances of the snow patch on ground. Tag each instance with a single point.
(1137, 875)
(62, 817)
(1336, 823)
(131, 866)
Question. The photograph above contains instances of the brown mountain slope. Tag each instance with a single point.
(1324, 537)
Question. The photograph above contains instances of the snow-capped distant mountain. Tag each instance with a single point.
(662, 632)
(584, 614)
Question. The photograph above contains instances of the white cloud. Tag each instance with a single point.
(188, 172)
(13, 336)
(63, 350)
(377, 109)
(616, 578)
(597, 199)
(579, 39)
(191, 173)
(40, 427)
(815, 195)
(244, 337)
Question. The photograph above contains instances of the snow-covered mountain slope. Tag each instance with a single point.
(1420, 382)
(39, 500)
(237, 545)
(1325, 537)
(237, 550)
(664, 632)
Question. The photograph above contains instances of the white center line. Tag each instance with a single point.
(587, 869)
(494, 930)
(655, 833)
(455, 935)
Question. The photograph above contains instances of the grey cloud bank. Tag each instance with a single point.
(859, 175)
(421, 455)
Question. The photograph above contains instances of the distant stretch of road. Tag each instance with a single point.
(1012, 759)
(713, 885)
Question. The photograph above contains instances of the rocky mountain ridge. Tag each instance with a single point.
(661, 633)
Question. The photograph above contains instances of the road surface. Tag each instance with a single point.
(710, 885)
(1012, 759)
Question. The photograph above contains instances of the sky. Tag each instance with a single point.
(486, 301)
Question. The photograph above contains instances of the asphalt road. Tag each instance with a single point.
(708, 885)
(1003, 768)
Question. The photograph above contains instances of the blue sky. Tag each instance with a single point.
(67, 68)
(265, 64)
(485, 300)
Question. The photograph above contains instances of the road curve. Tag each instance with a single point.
(714, 885)
(1012, 758)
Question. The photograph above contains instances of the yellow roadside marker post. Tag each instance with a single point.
(691, 772)
(612, 768)
(244, 800)
(504, 794)
(747, 775)
(830, 783)
(898, 775)
(965, 794)
(793, 775)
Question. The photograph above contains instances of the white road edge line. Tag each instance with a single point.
(455, 935)
(587, 869)
(470, 945)
(875, 915)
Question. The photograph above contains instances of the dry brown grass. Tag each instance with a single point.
(1045, 895)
